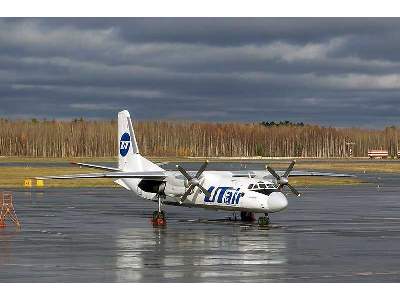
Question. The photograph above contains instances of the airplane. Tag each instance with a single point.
(247, 192)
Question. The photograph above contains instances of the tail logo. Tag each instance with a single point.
(124, 144)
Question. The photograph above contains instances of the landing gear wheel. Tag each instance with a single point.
(263, 221)
(159, 218)
(246, 216)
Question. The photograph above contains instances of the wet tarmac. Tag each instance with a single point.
(330, 234)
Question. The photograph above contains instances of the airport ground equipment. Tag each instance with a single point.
(7, 209)
(246, 191)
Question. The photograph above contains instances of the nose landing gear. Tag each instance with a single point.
(263, 221)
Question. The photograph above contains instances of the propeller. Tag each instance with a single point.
(284, 179)
(193, 181)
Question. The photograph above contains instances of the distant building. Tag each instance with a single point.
(378, 154)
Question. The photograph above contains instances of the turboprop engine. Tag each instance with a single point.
(176, 185)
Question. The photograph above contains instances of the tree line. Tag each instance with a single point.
(87, 138)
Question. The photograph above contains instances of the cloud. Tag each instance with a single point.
(341, 72)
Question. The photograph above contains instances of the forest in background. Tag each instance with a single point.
(87, 138)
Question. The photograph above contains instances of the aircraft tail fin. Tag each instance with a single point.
(129, 158)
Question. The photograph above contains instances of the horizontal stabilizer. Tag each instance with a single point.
(155, 175)
(95, 166)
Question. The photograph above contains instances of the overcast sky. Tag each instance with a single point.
(339, 72)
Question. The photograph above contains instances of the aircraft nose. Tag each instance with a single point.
(277, 201)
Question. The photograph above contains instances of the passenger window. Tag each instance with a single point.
(262, 186)
(250, 187)
(255, 186)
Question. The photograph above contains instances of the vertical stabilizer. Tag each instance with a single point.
(129, 158)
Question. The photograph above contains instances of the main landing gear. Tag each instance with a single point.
(246, 216)
(158, 219)
(250, 217)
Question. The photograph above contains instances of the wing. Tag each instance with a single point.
(312, 173)
(155, 175)
(249, 174)
(95, 166)
(108, 168)
(267, 175)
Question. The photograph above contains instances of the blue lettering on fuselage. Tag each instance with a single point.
(222, 191)
(224, 194)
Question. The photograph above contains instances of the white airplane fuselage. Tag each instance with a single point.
(227, 193)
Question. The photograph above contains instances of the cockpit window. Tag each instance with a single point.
(265, 191)
(262, 188)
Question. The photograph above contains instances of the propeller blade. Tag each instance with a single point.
(206, 192)
(201, 170)
(273, 173)
(193, 181)
(184, 173)
(289, 169)
(294, 191)
(186, 194)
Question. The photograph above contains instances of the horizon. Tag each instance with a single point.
(277, 122)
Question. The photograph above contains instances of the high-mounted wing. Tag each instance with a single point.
(249, 174)
(95, 166)
(268, 175)
(155, 175)
(312, 173)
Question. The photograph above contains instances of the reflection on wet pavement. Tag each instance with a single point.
(197, 254)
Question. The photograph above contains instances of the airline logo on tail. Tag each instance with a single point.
(124, 144)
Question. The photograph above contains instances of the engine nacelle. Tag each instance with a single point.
(175, 186)
(152, 186)
(171, 187)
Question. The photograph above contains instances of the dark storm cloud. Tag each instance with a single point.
(331, 71)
